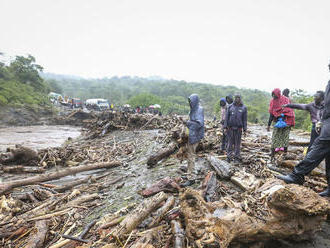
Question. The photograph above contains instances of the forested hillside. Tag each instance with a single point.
(21, 84)
(170, 94)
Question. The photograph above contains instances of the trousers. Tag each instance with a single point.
(234, 137)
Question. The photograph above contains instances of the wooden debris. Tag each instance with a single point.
(37, 240)
(5, 187)
(138, 215)
(221, 167)
(166, 184)
(154, 159)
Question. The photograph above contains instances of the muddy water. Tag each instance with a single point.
(36, 137)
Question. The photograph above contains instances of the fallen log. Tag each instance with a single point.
(221, 167)
(244, 180)
(138, 215)
(154, 159)
(22, 169)
(179, 235)
(287, 211)
(298, 143)
(70, 185)
(5, 187)
(37, 240)
(210, 186)
(158, 216)
(166, 184)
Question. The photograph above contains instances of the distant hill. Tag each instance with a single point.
(171, 94)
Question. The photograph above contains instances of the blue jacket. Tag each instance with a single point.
(236, 116)
(196, 120)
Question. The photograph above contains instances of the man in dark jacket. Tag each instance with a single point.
(320, 150)
(195, 126)
(236, 120)
(315, 110)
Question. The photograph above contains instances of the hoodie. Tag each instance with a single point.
(196, 120)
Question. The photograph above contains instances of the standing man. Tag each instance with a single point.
(315, 110)
(236, 120)
(223, 110)
(229, 99)
(320, 150)
(195, 126)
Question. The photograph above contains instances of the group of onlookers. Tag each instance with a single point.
(233, 121)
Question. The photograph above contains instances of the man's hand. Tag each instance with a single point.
(244, 133)
(268, 128)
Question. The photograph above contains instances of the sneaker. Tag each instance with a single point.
(277, 149)
(282, 149)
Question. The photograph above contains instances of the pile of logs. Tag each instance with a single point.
(233, 203)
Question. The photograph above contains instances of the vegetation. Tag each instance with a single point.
(21, 84)
(170, 94)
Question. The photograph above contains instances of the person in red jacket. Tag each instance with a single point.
(280, 136)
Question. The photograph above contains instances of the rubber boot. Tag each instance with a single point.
(291, 179)
(325, 193)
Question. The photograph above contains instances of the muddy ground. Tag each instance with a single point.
(135, 174)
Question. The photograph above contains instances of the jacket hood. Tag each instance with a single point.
(277, 92)
(194, 101)
(223, 100)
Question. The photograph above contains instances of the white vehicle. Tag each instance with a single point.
(98, 104)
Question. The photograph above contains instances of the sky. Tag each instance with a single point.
(247, 43)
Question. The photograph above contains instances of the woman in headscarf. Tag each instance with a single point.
(280, 136)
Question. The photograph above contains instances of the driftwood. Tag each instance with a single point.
(22, 169)
(210, 186)
(37, 240)
(298, 143)
(70, 185)
(138, 215)
(154, 159)
(5, 187)
(20, 155)
(159, 214)
(287, 211)
(244, 180)
(179, 235)
(166, 184)
(221, 167)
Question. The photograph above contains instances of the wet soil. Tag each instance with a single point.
(135, 175)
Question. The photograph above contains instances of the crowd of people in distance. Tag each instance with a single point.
(233, 121)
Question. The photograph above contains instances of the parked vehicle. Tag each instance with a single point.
(76, 103)
(97, 104)
(55, 97)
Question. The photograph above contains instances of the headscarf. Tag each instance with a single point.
(276, 109)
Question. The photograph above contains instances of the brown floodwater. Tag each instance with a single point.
(36, 137)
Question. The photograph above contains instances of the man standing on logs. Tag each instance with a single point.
(320, 150)
(195, 126)
(315, 110)
(236, 120)
(223, 110)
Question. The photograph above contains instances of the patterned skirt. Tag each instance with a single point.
(280, 137)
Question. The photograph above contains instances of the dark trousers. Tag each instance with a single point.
(234, 143)
(224, 141)
(320, 150)
(314, 135)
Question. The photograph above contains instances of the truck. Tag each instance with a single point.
(97, 104)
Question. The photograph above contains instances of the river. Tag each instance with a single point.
(36, 137)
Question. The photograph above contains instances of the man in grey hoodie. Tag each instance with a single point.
(195, 126)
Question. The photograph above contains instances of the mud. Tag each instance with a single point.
(135, 175)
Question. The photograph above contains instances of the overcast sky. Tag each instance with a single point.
(247, 43)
